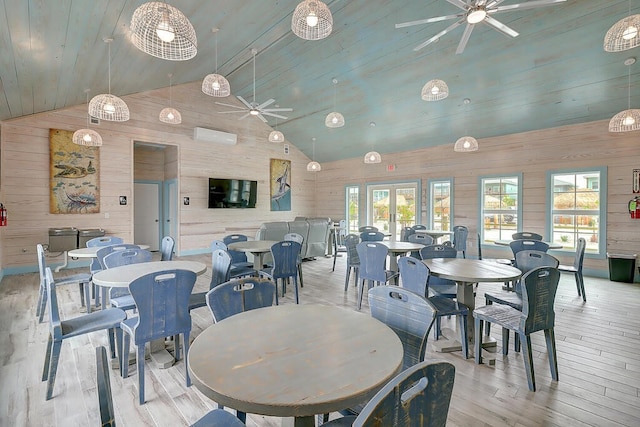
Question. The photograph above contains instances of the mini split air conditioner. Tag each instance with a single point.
(214, 136)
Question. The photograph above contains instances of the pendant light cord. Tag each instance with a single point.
(629, 87)
(254, 75)
(109, 64)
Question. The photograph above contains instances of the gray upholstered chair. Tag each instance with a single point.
(539, 288)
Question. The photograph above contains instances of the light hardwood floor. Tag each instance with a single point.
(598, 346)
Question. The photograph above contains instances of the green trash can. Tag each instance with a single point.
(621, 267)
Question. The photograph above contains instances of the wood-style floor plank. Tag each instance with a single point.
(598, 346)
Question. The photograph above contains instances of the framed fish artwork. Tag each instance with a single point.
(74, 175)
(280, 183)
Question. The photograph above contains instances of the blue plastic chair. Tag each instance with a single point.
(353, 260)
(443, 287)
(527, 245)
(166, 248)
(423, 239)
(367, 228)
(240, 267)
(295, 237)
(539, 288)
(59, 330)
(419, 227)
(220, 273)
(285, 265)
(162, 299)
(576, 268)
(240, 295)
(238, 259)
(82, 279)
(526, 235)
(103, 383)
(418, 396)
(372, 236)
(101, 241)
(460, 234)
(121, 297)
(415, 277)
(405, 232)
(373, 258)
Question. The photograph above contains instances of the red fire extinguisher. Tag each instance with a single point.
(634, 208)
(3, 215)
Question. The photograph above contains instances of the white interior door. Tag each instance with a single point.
(146, 214)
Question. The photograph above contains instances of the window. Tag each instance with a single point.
(500, 206)
(578, 208)
(440, 204)
(352, 209)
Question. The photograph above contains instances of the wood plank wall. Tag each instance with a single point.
(531, 153)
(24, 184)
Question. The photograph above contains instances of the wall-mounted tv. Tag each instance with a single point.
(232, 193)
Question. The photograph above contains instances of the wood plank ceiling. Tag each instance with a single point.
(555, 73)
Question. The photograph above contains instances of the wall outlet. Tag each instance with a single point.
(106, 215)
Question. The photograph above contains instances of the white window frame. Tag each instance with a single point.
(482, 212)
(431, 218)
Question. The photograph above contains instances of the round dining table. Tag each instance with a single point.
(398, 249)
(552, 245)
(294, 360)
(436, 234)
(258, 248)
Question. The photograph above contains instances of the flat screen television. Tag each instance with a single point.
(232, 193)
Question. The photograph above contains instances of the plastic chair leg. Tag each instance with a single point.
(550, 338)
(477, 346)
(464, 335)
(140, 365)
(186, 358)
(528, 361)
(53, 367)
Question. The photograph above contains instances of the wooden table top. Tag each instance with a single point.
(552, 245)
(120, 277)
(435, 233)
(294, 360)
(471, 270)
(403, 246)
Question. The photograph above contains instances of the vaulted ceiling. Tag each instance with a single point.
(554, 73)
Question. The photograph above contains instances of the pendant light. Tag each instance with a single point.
(334, 119)
(276, 135)
(215, 84)
(372, 157)
(624, 34)
(163, 31)
(170, 115)
(312, 20)
(313, 166)
(435, 90)
(106, 106)
(466, 144)
(629, 119)
(87, 137)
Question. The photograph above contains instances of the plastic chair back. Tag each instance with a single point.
(438, 251)
(405, 233)
(414, 275)
(236, 256)
(126, 257)
(162, 299)
(579, 259)
(460, 233)
(419, 227)
(167, 248)
(440, 286)
(218, 244)
(539, 288)
(52, 300)
(367, 228)
(350, 242)
(410, 315)
(527, 245)
(103, 252)
(372, 236)
(101, 241)
(220, 267)
(423, 239)
(285, 259)
(240, 295)
(420, 395)
(373, 258)
(528, 260)
(526, 235)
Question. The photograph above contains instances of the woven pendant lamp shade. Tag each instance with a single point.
(434, 90)
(163, 31)
(625, 121)
(171, 116)
(372, 157)
(334, 120)
(466, 144)
(623, 35)
(106, 106)
(314, 167)
(87, 137)
(216, 85)
(276, 136)
(312, 20)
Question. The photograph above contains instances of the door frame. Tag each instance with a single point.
(393, 185)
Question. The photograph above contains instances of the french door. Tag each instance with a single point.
(392, 206)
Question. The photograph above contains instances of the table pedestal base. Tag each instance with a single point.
(448, 345)
(160, 356)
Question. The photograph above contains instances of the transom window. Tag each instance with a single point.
(500, 205)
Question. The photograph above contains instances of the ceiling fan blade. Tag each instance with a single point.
(261, 117)
(493, 4)
(230, 105)
(246, 115)
(229, 112)
(265, 103)
(523, 6)
(440, 34)
(465, 38)
(461, 4)
(500, 26)
(271, 110)
(429, 20)
(269, 113)
(248, 104)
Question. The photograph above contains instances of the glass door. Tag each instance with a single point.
(390, 207)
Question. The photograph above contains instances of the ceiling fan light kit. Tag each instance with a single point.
(215, 84)
(312, 20)
(475, 12)
(163, 31)
(435, 90)
(87, 137)
(106, 106)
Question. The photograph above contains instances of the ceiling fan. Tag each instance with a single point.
(475, 12)
(253, 108)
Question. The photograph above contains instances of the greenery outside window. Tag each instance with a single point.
(577, 208)
(440, 204)
(352, 208)
(500, 207)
